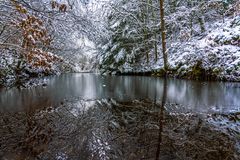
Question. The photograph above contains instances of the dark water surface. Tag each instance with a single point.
(96, 117)
(196, 96)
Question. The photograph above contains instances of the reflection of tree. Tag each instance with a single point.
(26, 135)
(133, 130)
(161, 117)
(37, 135)
(109, 129)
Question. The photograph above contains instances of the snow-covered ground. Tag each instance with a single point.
(216, 52)
(16, 71)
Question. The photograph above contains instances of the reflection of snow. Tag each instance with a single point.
(61, 156)
(98, 144)
(81, 106)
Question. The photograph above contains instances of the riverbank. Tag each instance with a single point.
(16, 71)
(214, 55)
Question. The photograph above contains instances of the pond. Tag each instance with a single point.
(91, 116)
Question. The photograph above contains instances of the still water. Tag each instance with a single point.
(95, 117)
(194, 95)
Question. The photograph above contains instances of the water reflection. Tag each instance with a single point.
(161, 118)
(108, 129)
(197, 96)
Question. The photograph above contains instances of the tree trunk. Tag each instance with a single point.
(144, 19)
(155, 34)
(163, 32)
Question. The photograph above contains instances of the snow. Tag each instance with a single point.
(114, 25)
(10, 72)
(218, 50)
(120, 56)
(212, 51)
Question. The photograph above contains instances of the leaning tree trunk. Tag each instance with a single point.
(163, 32)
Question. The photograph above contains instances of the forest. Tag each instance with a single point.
(200, 40)
(120, 79)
